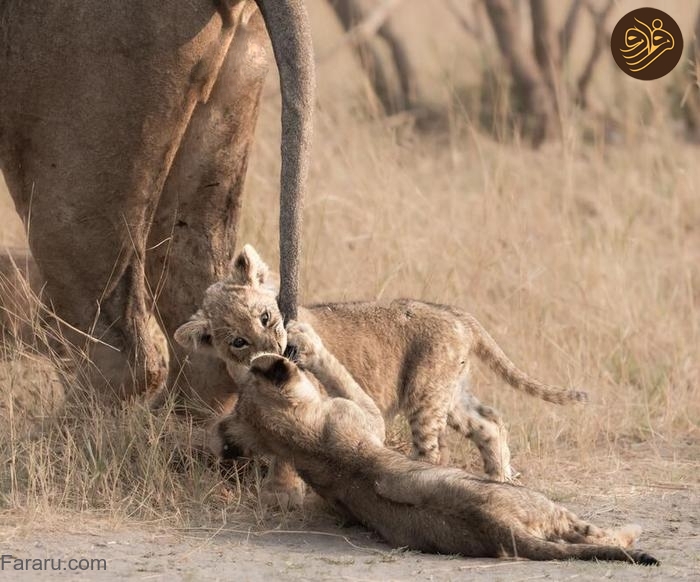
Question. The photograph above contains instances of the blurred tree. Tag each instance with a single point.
(542, 82)
(351, 14)
(539, 79)
(691, 96)
(536, 96)
(601, 40)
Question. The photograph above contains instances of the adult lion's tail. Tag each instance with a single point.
(287, 23)
(486, 348)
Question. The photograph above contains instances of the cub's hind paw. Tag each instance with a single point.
(286, 497)
(512, 476)
(507, 474)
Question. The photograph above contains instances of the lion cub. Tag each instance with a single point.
(408, 356)
(337, 446)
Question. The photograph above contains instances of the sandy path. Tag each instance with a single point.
(671, 521)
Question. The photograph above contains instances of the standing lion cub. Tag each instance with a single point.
(336, 444)
(409, 356)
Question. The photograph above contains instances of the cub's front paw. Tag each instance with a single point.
(304, 343)
(504, 474)
(511, 476)
(285, 496)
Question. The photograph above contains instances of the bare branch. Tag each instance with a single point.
(526, 74)
(404, 67)
(599, 42)
(696, 50)
(566, 36)
(360, 29)
(545, 43)
(364, 30)
(690, 102)
(471, 28)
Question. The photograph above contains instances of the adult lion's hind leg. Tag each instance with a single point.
(194, 230)
(88, 136)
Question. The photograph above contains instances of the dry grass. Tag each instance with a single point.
(582, 259)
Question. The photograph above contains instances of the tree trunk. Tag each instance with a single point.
(691, 107)
(392, 100)
(546, 44)
(404, 66)
(529, 82)
(601, 40)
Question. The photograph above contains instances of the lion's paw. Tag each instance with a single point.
(286, 496)
(511, 476)
(307, 345)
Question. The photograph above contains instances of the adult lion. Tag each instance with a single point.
(125, 131)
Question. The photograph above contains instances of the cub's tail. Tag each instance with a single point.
(486, 348)
(527, 546)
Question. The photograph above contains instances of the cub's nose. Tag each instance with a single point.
(277, 345)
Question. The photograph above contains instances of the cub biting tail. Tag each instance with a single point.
(409, 356)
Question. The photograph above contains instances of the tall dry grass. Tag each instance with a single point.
(581, 258)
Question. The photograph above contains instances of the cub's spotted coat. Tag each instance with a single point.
(409, 356)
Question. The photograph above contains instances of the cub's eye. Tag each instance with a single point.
(239, 342)
(265, 318)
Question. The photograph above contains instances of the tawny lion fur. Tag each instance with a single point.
(125, 136)
(337, 445)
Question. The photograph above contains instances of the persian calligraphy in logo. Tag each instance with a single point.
(647, 44)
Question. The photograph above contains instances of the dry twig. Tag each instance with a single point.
(364, 30)
(471, 28)
(600, 37)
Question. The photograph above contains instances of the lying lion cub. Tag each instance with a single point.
(337, 446)
(407, 355)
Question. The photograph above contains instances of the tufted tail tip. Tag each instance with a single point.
(645, 559)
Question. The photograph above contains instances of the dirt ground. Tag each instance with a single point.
(312, 548)
(583, 261)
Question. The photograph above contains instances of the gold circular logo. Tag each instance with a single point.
(646, 44)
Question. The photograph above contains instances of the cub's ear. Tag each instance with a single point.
(195, 334)
(277, 369)
(248, 268)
